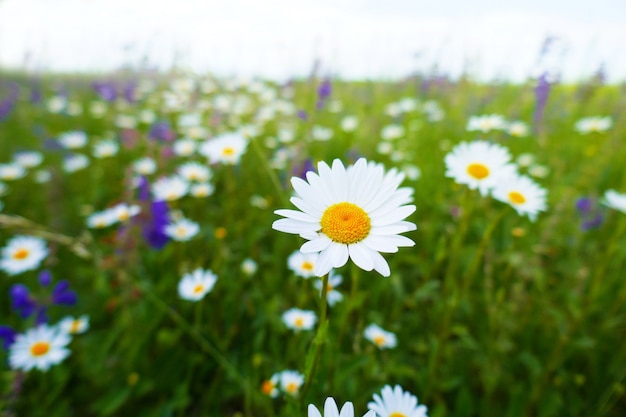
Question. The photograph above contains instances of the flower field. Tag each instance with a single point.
(183, 245)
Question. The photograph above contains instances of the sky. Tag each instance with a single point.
(354, 39)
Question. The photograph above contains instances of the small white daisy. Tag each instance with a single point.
(73, 325)
(302, 264)
(321, 133)
(381, 338)
(194, 171)
(195, 285)
(349, 123)
(28, 159)
(355, 212)
(101, 219)
(248, 266)
(521, 193)
(23, 253)
(11, 171)
(332, 295)
(518, 129)
(596, 124)
(105, 148)
(227, 148)
(615, 200)
(39, 348)
(184, 147)
(170, 188)
(42, 176)
(478, 164)
(75, 162)
(182, 230)
(144, 166)
(73, 140)
(123, 212)
(392, 132)
(331, 410)
(297, 319)
(394, 402)
(486, 123)
(291, 381)
(201, 190)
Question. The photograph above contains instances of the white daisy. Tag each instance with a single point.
(73, 140)
(331, 410)
(73, 325)
(28, 159)
(332, 295)
(101, 219)
(355, 212)
(182, 230)
(184, 147)
(23, 253)
(291, 381)
(321, 133)
(122, 211)
(227, 148)
(195, 285)
(593, 124)
(194, 171)
(394, 402)
(302, 264)
(105, 148)
(486, 123)
(380, 337)
(11, 171)
(144, 166)
(75, 162)
(392, 132)
(169, 188)
(39, 348)
(201, 190)
(615, 200)
(521, 193)
(248, 266)
(518, 129)
(478, 164)
(297, 319)
(349, 123)
(42, 176)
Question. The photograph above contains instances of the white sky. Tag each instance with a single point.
(282, 38)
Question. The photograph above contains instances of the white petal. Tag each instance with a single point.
(296, 215)
(313, 412)
(294, 226)
(347, 410)
(380, 244)
(360, 255)
(324, 262)
(307, 207)
(393, 229)
(330, 408)
(380, 264)
(340, 254)
(316, 245)
(396, 215)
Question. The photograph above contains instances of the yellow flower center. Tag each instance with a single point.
(379, 340)
(397, 414)
(307, 266)
(181, 231)
(124, 215)
(516, 198)
(298, 322)
(75, 327)
(345, 223)
(228, 151)
(198, 289)
(39, 348)
(478, 171)
(291, 388)
(21, 254)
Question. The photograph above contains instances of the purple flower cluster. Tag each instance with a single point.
(591, 215)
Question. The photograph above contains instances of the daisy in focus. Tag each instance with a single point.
(225, 149)
(39, 348)
(331, 410)
(394, 402)
(615, 200)
(195, 285)
(182, 230)
(302, 264)
(381, 338)
(73, 325)
(332, 295)
(23, 253)
(521, 193)
(297, 319)
(478, 164)
(355, 212)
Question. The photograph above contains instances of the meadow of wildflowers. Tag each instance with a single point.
(182, 245)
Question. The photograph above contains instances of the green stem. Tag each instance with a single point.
(270, 172)
(318, 342)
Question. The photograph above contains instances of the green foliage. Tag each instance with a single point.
(494, 315)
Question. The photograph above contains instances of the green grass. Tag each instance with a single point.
(494, 315)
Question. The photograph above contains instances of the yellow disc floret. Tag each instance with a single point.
(345, 223)
(516, 198)
(39, 348)
(478, 171)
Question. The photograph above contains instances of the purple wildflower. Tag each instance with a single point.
(153, 227)
(21, 300)
(106, 90)
(8, 335)
(590, 213)
(161, 131)
(323, 92)
(302, 169)
(45, 278)
(542, 90)
(302, 115)
(62, 294)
